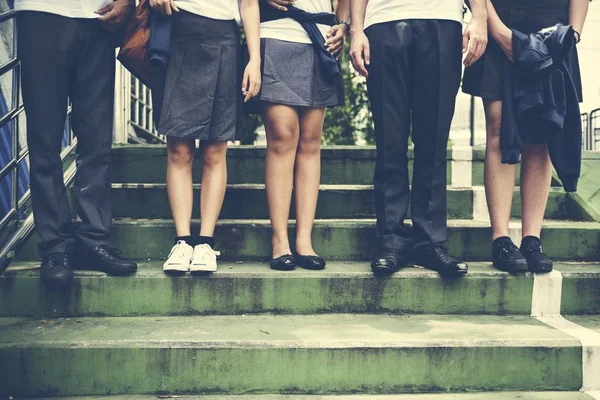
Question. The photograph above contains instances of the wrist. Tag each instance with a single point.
(356, 30)
(503, 33)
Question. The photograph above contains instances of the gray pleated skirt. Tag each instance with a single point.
(292, 76)
(203, 98)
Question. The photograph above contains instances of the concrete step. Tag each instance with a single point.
(420, 396)
(341, 165)
(248, 201)
(250, 288)
(338, 239)
(322, 354)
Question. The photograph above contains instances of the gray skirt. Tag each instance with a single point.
(203, 98)
(292, 76)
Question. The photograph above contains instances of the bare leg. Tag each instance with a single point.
(283, 130)
(308, 177)
(499, 178)
(180, 158)
(536, 175)
(214, 184)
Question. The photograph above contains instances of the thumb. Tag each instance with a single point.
(105, 9)
(465, 41)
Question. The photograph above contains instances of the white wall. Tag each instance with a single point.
(589, 58)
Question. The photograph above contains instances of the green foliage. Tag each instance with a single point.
(346, 124)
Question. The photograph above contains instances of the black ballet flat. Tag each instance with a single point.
(310, 262)
(284, 263)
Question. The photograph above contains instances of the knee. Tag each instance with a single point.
(214, 154)
(180, 155)
(282, 142)
(493, 127)
(310, 145)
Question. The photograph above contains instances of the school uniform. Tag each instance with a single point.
(66, 53)
(293, 73)
(202, 94)
(414, 77)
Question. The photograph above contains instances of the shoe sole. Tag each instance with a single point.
(382, 270)
(540, 267)
(514, 267)
(175, 268)
(202, 268)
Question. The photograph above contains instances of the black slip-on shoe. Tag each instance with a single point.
(532, 250)
(285, 262)
(507, 257)
(310, 262)
(389, 261)
(437, 258)
(56, 269)
(104, 258)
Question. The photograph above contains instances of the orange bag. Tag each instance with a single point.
(133, 53)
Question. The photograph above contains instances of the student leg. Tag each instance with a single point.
(180, 158)
(499, 180)
(536, 176)
(283, 131)
(306, 182)
(214, 184)
(389, 87)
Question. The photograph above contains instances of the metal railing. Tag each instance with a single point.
(14, 226)
(593, 126)
(134, 122)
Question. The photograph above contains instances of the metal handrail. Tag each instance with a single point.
(19, 155)
(594, 127)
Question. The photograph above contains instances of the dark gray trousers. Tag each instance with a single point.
(413, 81)
(65, 58)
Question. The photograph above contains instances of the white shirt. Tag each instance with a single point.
(291, 31)
(66, 8)
(215, 9)
(379, 11)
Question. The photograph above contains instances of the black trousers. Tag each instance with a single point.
(65, 58)
(413, 81)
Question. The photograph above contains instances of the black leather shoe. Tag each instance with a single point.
(284, 263)
(56, 269)
(507, 257)
(537, 261)
(437, 258)
(310, 262)
(389, 261)
(105, 259)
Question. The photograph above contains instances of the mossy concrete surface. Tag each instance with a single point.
(420, 396)
(338, 239)
(580, 288)
(341, 353)
(249, 201)
(346, 287)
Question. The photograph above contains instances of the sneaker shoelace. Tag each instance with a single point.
(205, 251)
(179, 251)
(508, 247)
(534, 247)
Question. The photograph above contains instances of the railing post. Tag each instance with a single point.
(122, 104)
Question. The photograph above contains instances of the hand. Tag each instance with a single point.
(165, 7)
(335, 39)
(252, 80)
(281, 4)
(504, 40)
(116, 14)
(360, 52)
(475, 40)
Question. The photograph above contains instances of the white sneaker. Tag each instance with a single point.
(180, 258)
(204, 259)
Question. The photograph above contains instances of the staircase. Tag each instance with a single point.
(247, 332)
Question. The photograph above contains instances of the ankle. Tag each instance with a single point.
(281, 247)
(305, 249)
